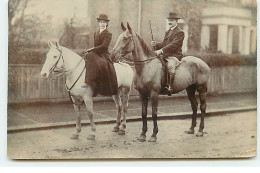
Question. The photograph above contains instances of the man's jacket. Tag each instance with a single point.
(172, 43)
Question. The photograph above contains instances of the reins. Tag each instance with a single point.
(60, 70)
(136, 62)
(69, 89)
(71, 71)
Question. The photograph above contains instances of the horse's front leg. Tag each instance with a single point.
(78, 122)
(125, 97)
(144, 99)
(119, 110)
(154, 99)
(89, 106)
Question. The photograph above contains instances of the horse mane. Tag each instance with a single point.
(70, 51)
(144, 46)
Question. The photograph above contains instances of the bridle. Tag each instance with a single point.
(60, 70)
(135, 61)
(70, 71)
(56, 63)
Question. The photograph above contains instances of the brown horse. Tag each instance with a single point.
(191, 73)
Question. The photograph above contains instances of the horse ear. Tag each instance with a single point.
(129, 28)
(57, 44)
(50, 44)
(123, 26)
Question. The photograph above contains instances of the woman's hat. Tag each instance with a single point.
(173, 15)
(103, 17)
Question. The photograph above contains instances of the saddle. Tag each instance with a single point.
(168, 66)
(101, 74)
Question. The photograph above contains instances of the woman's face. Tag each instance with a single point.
(102, 24)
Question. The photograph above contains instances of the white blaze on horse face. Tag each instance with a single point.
(120, 48)
(51, 58)
(119, 43)
(116, 52)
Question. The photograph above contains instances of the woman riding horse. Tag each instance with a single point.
(102, 38)
(97, 61)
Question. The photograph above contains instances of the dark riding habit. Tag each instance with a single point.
(100, 74)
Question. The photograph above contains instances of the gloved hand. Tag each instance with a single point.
(91, 49)
(159, 52)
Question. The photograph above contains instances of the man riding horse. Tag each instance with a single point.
(171, 46)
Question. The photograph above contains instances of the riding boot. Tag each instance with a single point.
(168, 85)
(171, 79)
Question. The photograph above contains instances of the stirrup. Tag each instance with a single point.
(168, 90)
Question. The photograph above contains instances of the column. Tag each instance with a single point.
(205, 37)
(230, 40)
(222, 38)
(185, 41)
(253, 40)
(247, 41)
(92, 21)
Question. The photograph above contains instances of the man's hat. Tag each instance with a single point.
(103, 17)
(173, 15)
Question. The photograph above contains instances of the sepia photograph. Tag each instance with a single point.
(132, 79)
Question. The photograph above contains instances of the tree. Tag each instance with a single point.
(69, 34)
(191, 12)
(15, 20)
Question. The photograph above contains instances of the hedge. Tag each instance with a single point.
(28, 56)
(220, 59)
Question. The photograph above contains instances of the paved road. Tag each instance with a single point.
(229, 135)
(37, 115)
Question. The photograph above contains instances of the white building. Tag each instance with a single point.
(228, 30)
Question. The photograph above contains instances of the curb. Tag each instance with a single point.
(168, 116)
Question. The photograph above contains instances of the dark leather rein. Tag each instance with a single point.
(135, 61)
(71, 71)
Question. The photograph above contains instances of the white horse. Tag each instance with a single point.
(66, 61)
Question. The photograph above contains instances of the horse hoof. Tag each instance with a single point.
(91, 137)
(190, 131)
(116, 129)
(152, 139)
(121, 132)
(74, 136)
(142, 138)
(199, 134)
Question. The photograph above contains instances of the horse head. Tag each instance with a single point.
(125, 43)
(53, 59)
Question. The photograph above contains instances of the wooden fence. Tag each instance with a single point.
(26, 85)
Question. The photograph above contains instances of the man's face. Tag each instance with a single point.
(172, 22)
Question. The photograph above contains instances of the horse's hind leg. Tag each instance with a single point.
(144, 99)
(125, 97)
(118, 102)
(78, 122)
(89, 106)
(202, 94)
(194, 105)
(154, 98)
